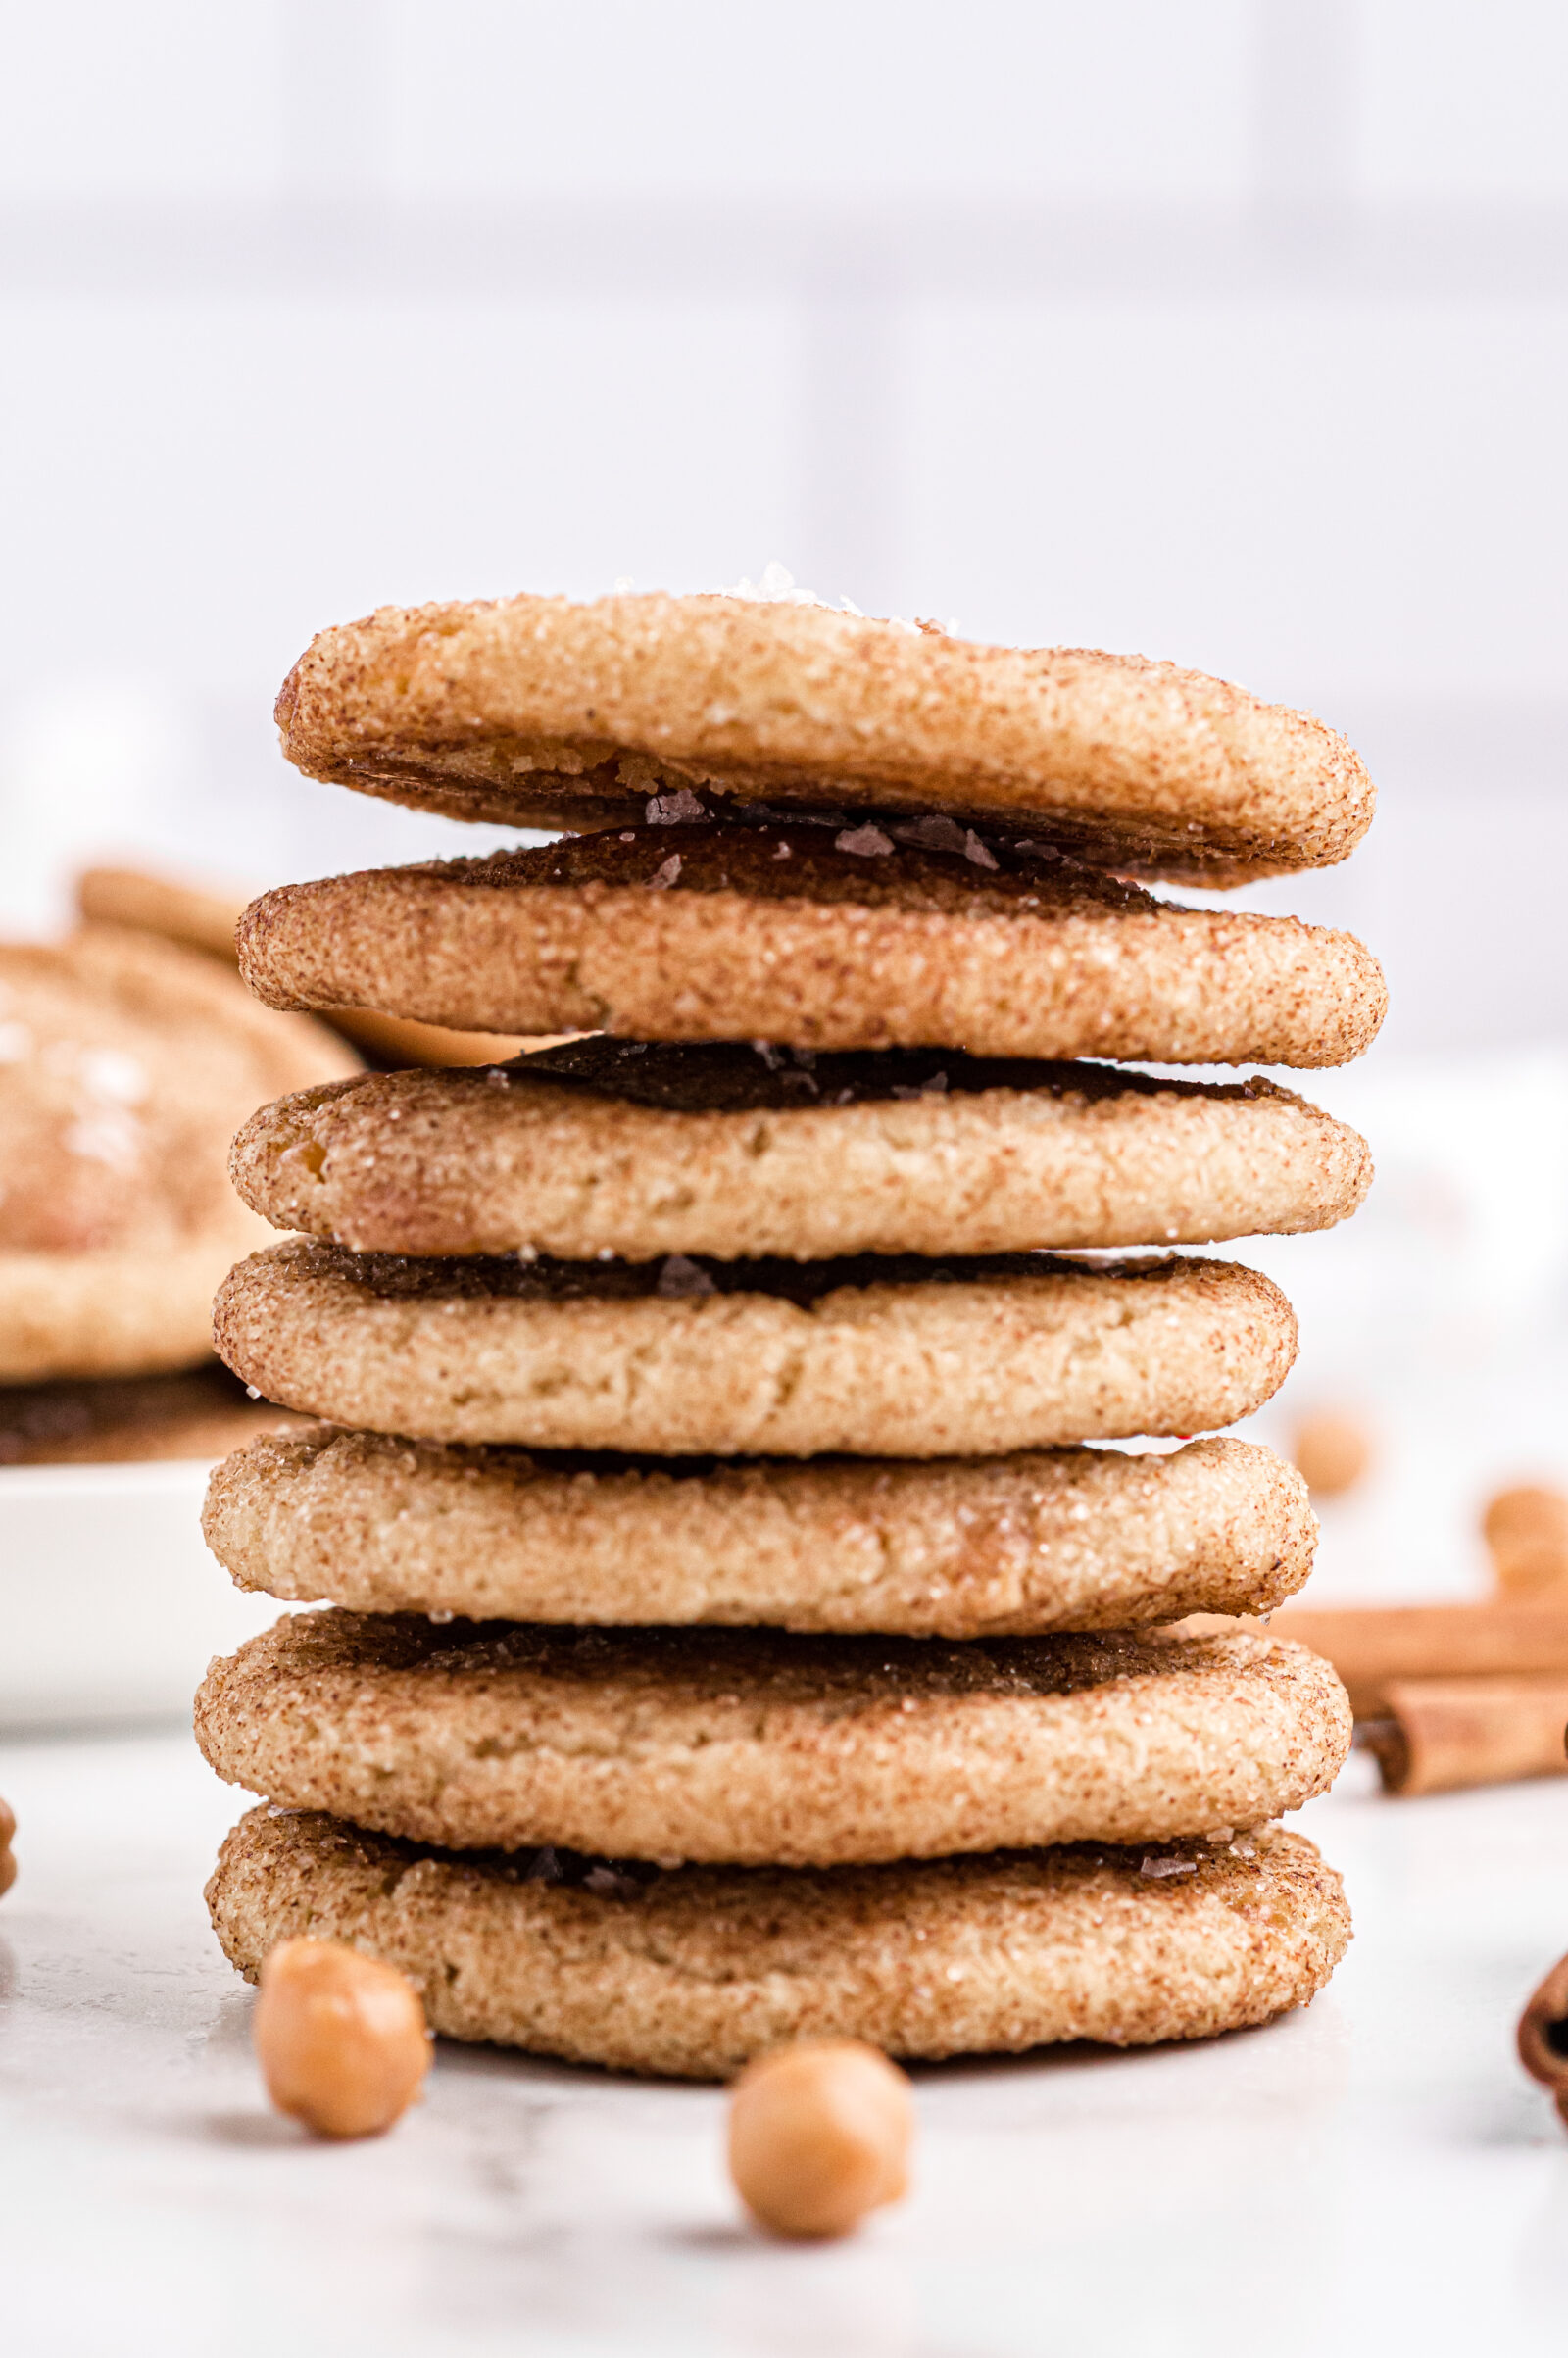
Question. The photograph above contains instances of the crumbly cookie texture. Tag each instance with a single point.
(689, 1974)
(878, 1357)
(545, 712)
(953, 1547)
(126, 1066)
(754, 1749)
(819, 939)
(606, 1146)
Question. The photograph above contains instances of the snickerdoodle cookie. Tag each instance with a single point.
(875, 1357)
(546, 713)
(688, 1974)
(755, 1749)
(125, 1068)
(953, 1548)
(821, 940)
(606, 1146)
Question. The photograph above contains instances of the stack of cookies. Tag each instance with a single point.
(732, 1636)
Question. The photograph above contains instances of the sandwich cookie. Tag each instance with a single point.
(880, 1357)
(608, 1146)
(540, 711)
(819, 939)
(126, 1066)
(690, 1974)
(749, 1748)
(952, 1547)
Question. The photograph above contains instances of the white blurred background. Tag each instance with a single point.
(1229, 331)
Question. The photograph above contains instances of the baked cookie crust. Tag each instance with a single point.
(872, 1358)
(690, 1974)
(952, 1547)
(820, 940)
(542, 711)
(751, 1747)
(606, 1146)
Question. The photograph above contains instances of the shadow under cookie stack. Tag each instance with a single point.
(733, 1640)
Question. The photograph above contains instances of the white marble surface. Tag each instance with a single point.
(1375, 2173)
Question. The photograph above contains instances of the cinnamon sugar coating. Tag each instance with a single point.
(872, 1358)
(600, 1146)
(755, 1749)
(541, 711)
(692, 1973)
(953, 1548)
(777, 932)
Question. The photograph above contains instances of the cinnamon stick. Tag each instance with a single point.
(1371, 1644)
(1437, 1735)
(1544, 2034)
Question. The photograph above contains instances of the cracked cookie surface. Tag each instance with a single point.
(875, 1356)
(956, 1548)
(607, 1146)
(753, 1747)
(691, 1973)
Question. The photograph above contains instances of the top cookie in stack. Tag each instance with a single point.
(855, 900)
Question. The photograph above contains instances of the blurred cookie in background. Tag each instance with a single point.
(201, 1412)
(126, 1064)
(202, 918)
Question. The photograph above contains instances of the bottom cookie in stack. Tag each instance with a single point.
(665, 1849)
(690, 1973)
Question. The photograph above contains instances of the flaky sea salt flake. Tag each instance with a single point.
(678, 809)
(682, 1278)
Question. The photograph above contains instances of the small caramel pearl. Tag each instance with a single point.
(8, 1865)
(820, 2135)
(340, 2038)
(1526, 1531)
(1333, 1450)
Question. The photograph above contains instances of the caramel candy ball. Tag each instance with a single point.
(1526, 1531)
(340, 2038)
(1332, 1450)
(819, 2134)
(1532, 1513)
(8, 1865)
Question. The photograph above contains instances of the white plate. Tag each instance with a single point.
(111, 1606)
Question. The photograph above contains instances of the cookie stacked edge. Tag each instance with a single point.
(731, 1635)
